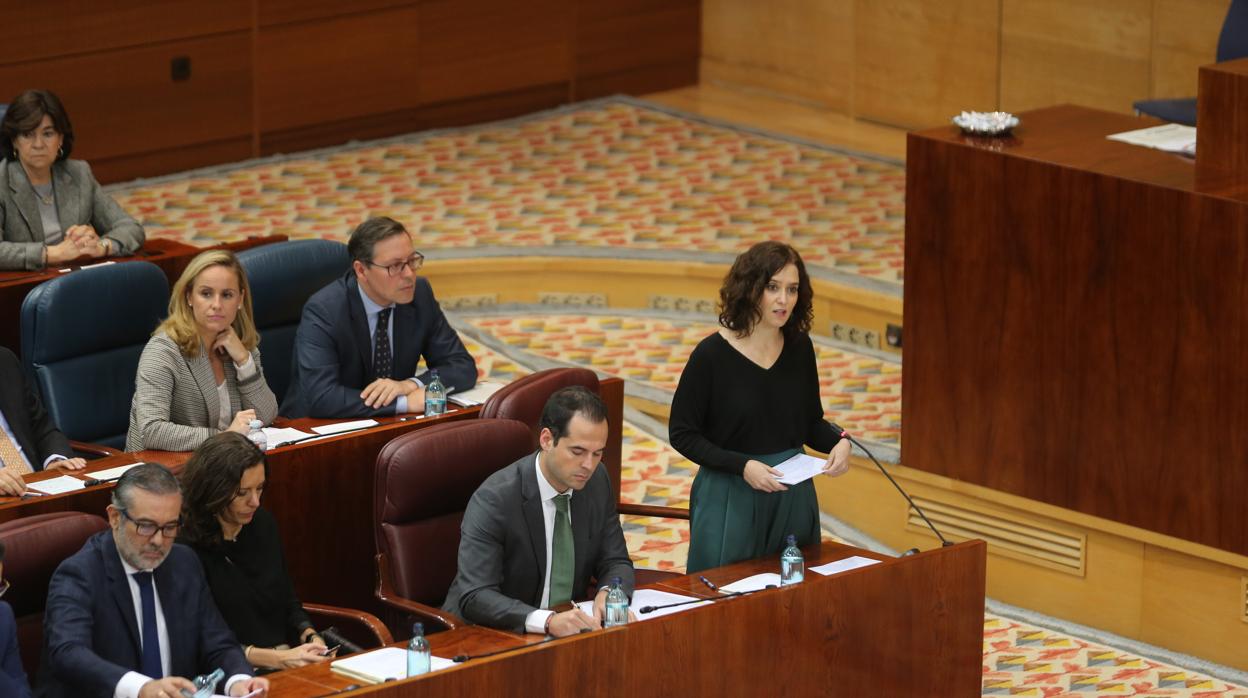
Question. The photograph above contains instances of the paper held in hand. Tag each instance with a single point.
(385, 664)
(799, 468)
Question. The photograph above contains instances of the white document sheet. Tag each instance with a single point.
(651, 597)
(800, 468)
(282, 435)
(476, 396)
(329, 429)
(849, 563)
(57, 485)
(111, 472)
(758, 581)
(1172, 138)
(382, 665)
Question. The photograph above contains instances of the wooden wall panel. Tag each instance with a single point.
(35, 30)
(470, 48)
(125, 103)
(635, 45)
(273, 12)
(795, 47)
(336, 70)
(1096, 54)
(1185, 37)
(917, 63)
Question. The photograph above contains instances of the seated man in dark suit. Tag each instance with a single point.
(519, 555)
(130, 614)
(360, 337)
(13, 682)
(29, 441)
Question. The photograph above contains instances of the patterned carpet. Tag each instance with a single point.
(623, 178)
(613, 174)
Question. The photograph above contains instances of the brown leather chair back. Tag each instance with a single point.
(524, 399)
(34, 548)
(423, 481)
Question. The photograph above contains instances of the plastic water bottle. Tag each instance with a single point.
(792, 564)
(617, 605)
(435, 396)
(418, 652)
(256, 434)
(206, 685)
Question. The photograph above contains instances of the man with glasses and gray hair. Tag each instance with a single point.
(361, 337)
(131, 614)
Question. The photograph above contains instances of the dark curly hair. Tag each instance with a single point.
(743, 289)
(23, 116)
(210, 480)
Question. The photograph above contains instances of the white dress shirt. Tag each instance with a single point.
(371, 312)
(535, 622)
(132, 681)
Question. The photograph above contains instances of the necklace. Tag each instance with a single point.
(47, 200)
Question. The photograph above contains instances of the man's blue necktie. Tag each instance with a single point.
(150, 666)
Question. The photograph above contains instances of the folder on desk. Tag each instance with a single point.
(385, 664)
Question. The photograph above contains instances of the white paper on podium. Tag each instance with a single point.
(799, 468)
(758, 581)
(385, 664)
(849, 563)
(58, 485)
(329, 429)
(276, 435)
(651, 597)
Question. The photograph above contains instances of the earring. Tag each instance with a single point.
(60, 151)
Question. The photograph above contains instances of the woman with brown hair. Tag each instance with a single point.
(52, 210)
(747, 400)
(200, 372)
(241, 550)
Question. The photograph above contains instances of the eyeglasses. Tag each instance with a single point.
(415, 262)
(149, 528)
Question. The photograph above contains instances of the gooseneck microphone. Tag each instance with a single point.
(92, 482)
(846, 435)
(651, 609)
(309, 437)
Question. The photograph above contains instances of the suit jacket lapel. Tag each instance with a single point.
(201, 368)
(531, 503)
(359, 326)
(67, 198)
(24, 197)
(119, 587)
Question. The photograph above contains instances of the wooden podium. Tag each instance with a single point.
(1074, 315)
(904, 627)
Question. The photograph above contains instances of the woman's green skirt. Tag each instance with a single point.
(731, 521)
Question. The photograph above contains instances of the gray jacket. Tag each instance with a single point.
(502, 547)
(79, 201)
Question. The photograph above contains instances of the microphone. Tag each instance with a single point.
(309, 437)
(651, 609)
(846, 435)
(92, 482)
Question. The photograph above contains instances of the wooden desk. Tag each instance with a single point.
(1074, 323)
(170, 255)
(905, 627)
(321, 493)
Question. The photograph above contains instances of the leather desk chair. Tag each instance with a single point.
(34, 548)
(523, 400)
(82, 335)
(283, 276)
(1232, 44)
(422, 483)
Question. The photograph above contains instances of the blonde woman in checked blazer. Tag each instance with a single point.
(200, 372)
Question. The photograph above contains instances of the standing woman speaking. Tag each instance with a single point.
(747, 400)
(52, 210)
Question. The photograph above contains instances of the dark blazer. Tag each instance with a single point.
(90, 626)
(13, 682)
(79, 200)
(334, 356)
(31, 424)
(502, 546)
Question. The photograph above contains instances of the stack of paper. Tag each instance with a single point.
(1172, 138)
(849, 563)
(758, 581)
(57, 485)
(799, 468)
(476, 396)
(385, 664)
(651, 597)
(111, 473)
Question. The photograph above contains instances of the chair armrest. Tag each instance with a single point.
(92, 451)
(385, 593)
(372, 622)
(650, 510)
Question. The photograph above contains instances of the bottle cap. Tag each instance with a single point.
(256, 424)
(790, 539)
(615, 581)
(418, 628)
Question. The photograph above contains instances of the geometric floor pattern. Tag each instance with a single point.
(614, 174)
